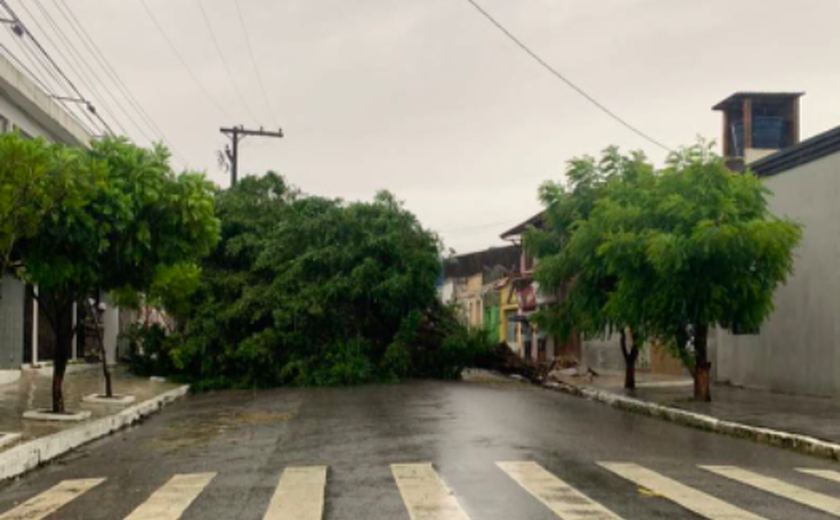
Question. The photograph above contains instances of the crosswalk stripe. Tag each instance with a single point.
(694, 500)
(299, 494)
(425, 495)
(566, 502)
(51, 500)
(777, 487)
(171, 500)
(823, 473)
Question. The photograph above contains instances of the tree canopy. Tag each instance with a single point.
(35, 178)
(566, 244)
(669, 254)
(308, 290)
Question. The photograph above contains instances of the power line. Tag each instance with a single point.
(80, 31)
(24, 67)
(70, 108)
(83, 104)
(254, 61)
(184, 62)
(224, 60)
(87, 76)
(38, 66)
(35, 64)
(90, 113)
(96, 78)
(564, 79)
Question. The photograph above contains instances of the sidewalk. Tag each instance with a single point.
(33, 390)
(817, 417)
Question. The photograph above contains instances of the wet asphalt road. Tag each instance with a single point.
(463, 429)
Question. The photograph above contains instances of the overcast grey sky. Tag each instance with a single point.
(427, 99)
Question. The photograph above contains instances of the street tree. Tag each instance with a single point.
(567, 248)
(139, 216)
(60, 263)
(694, 249)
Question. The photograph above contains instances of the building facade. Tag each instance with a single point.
(472, 282)
(532, 343)
(25, 337)
(797, 350)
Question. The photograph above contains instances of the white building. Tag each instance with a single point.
(797, 350)
(25, 107)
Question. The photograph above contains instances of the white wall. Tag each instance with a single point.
(446, 291)
(15, 115)
(798, 348)
(33, 110)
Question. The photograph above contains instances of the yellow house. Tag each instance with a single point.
(470, 298)
(509, 330)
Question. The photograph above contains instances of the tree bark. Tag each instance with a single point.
(702, 366)
(63, 329)
(630, 357)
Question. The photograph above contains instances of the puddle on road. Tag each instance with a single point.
(200, 431)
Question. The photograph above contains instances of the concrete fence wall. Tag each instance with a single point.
(798, 349)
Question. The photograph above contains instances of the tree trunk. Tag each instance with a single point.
(630, 357)
(106, 372)
(64, 340)
(702, 366)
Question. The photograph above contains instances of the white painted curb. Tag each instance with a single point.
(117, 399)
(47, 415)
(792, 441)
(8, 438)
(30, 455)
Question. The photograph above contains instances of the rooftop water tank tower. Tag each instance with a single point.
(757, 124)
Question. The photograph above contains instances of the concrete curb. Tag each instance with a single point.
(30, 455)
(8, 438)
(791, 441)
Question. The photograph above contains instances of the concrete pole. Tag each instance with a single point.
(111, 326)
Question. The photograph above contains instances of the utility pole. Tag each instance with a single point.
(236, 134)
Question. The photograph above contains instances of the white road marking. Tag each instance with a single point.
(171, 500)
(51, 500)
(425, 495)
(564, 500)
(694, 500)
(299, 494)
(777, 487)
(827, 474)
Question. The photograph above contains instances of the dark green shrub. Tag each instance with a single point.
(149, 350)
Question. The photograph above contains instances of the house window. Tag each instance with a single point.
(4, 125)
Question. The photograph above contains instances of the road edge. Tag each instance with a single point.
(780, 439)
(30, 455)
